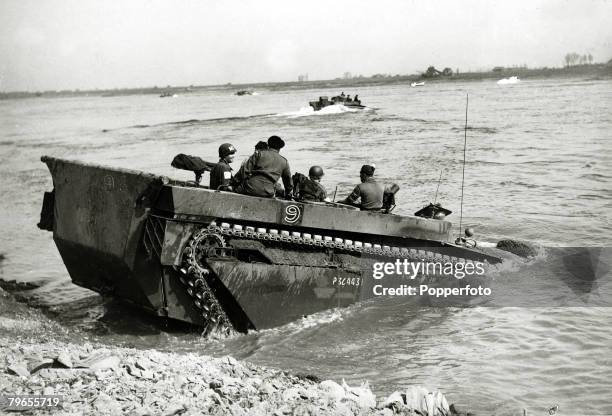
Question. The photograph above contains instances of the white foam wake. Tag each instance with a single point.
(309, 111)
(506, 81)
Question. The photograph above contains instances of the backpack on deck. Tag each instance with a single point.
(194, 164)
(305, 189)
(389, 197)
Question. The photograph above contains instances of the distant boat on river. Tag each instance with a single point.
(341, 99)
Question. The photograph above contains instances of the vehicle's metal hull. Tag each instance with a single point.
(146, 240)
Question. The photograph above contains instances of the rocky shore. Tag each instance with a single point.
(101, 379)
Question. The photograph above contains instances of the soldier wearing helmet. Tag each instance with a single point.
(221, 175)
(310, 189)
(263, 170)
(368, 192)
(239, 176)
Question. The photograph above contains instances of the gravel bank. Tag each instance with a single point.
(98, 379)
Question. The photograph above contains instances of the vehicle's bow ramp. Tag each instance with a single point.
(98, 217)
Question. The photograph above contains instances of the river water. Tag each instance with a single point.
(539, 168)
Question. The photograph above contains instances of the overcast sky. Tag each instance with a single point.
(68, 44)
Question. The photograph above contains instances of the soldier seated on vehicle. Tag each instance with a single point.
(263, 170)
(221, 174)
(239, 176)
(309, 189)
(369, 192)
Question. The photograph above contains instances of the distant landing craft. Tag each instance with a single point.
(337, 100)
(417, 84)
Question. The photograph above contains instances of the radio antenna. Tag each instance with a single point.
(464, 149)
(438, 187)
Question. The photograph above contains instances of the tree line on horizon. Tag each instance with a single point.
(573, 58)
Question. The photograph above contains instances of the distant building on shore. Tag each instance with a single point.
(303, 78)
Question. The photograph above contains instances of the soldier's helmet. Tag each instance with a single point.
(226, 149)
(316, 172)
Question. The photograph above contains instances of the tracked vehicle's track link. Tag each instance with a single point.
(197, 277)
(306, 239)
(208, 242)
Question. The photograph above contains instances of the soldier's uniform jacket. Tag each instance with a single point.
(310, 190)
(220, 175)
(262, 171)
(371, 194)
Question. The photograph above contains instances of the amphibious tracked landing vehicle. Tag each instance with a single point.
(323, 102)
(222, 260)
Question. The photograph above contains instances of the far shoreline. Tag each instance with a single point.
(591, 71)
